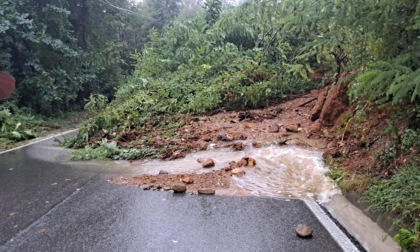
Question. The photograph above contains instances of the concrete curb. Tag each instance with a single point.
(361, 227)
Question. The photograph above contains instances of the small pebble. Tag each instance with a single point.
(206, 191)
(304, 231)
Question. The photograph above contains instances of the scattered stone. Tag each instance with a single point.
(246, 161)
(233, 164)
(158, 187)
(42, 230)
(242, 162)
(167, 188)
(206, 191)
(256, 144)
(201, 144)
(222, 136)
(251, 162)
(239, 172)
(243, 115)
(212, 146)
(225, 137)
(201, 160)
(188, 180)
(238, 146)
(147, 187)
(208, 163)
(293, 128)
(163, 172)
(304, 231)
(227, 168)
(176, 155)
(179, 188)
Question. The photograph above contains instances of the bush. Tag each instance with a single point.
(111, 151)
(400, 194)
(17, 125)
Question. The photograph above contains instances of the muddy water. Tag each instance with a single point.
(281, 171)
(288, 171)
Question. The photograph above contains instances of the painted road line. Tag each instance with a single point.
(342, 240)
(41, 140)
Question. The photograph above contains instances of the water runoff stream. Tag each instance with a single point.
(287, 171)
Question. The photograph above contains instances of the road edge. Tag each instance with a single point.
(361, 227)
(38, 140)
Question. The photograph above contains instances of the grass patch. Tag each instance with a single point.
(111, 151)
(346, 180)
(401, 195)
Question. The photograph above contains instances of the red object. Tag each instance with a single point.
(7, 85)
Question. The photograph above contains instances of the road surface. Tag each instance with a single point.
(50, 204)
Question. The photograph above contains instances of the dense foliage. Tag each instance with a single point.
(61, 51)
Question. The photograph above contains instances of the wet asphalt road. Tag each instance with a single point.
(47, 204)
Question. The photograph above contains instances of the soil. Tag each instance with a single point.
(219, 179)
(213, 180)
(356, 135)
(322, 119)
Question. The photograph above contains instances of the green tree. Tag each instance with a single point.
(213, 9)
(61, 51)
(162, 12)
(39, 49)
